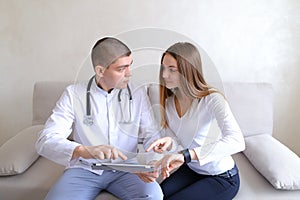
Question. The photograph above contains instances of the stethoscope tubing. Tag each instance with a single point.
(88, 119)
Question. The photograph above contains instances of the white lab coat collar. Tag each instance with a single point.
(97, 90)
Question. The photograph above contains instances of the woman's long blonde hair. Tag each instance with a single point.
(191, 80)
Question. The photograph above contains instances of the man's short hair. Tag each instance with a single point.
(107, 50)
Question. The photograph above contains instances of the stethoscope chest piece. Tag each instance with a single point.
(88, 120)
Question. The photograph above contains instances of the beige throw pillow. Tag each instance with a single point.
(18, 153)
(277, 163)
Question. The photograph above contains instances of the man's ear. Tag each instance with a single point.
(99, 70)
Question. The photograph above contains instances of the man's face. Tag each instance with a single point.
(117, 74)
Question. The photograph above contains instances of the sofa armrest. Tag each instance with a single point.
(277, 163)
(18, 153)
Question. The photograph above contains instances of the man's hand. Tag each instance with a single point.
(168, 163)
(99, 152)
(161, 145)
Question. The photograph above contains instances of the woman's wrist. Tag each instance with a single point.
(186, 154)
(193, 154)
(189, 155)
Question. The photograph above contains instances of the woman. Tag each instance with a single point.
(190, 108)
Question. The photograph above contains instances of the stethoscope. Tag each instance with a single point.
(89, 120)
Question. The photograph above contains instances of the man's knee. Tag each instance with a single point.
(157, 196)
(150, 191)
(154, 192)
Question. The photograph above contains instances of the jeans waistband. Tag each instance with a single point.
(229, 173)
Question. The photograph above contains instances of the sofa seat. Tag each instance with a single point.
(255, 186)
(35, 183)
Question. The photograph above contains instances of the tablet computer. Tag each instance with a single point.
(134, 168)
(126, 167)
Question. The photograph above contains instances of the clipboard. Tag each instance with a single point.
(126, 167)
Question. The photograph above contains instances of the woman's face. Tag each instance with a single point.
(170, 72)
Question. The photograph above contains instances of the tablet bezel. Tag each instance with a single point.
(127, 167)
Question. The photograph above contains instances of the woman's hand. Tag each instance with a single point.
(161, 145)
(169, 163)
(149, 177)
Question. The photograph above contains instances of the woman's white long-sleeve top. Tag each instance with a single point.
(110, 125)
(209, 128)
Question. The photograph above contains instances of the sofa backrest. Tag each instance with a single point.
(252, 106)
(251, 103)
(45, 96)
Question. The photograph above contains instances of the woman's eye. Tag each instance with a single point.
(173, 70)
(170, 69)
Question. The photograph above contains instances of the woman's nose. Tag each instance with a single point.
(165, 73)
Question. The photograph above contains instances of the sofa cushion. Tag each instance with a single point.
(278, 164)
(18, 153)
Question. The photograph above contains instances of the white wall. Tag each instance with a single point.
(249, 40)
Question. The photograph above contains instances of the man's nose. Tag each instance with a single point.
(127, 72)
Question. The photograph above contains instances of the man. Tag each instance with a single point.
(108, 117)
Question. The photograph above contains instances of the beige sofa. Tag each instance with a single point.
(265, 165)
